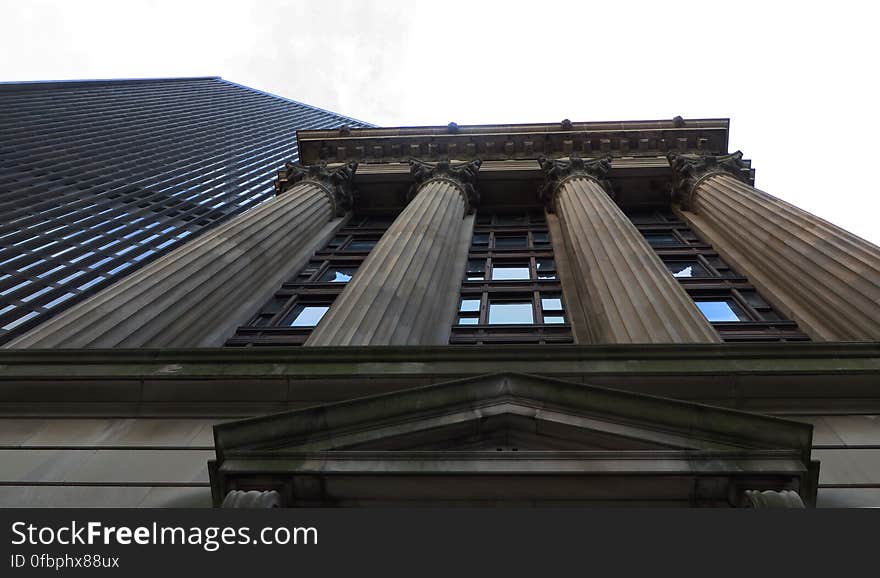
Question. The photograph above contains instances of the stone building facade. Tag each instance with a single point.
(599, 313)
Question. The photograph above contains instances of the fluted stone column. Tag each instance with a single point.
(821, 276)
(401, 292)
(197, 294)
(629, 294)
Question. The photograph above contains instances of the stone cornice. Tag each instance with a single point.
(688, 170)
(558, 171)
(335, 181)
(462, 175)
(511, 142)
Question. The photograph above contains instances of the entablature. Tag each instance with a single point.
(514, 141)
(510, 175)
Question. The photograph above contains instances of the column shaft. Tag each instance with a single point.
(629, 294)
(823, 277)
(196, 294)
(395, 296)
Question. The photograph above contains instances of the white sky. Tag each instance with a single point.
(798, 80)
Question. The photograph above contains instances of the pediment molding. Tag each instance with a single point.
(512, 438)
(548, 401)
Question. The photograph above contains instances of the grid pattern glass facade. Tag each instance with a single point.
(98, 178)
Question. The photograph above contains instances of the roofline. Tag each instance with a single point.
(35, 84)
(368, 125)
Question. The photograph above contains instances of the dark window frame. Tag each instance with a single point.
(488, 227)
(765, 323)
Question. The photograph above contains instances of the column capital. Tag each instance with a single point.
(335, 181)
(557, 171)
(689, 169)
(463, 175)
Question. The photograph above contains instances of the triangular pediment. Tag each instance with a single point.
(511, 412)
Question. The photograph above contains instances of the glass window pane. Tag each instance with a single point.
(554, 319)
(510, 312)
(337, 275)
(379, 222)
(309, 315)
(540, 239)
(722, 310)
(754, 299)
(510, 219)
(512, 242)
(336, 242)
(470, 305)
(551, 303)
(509, 272)
(476, 270)
(662, 240)
(686, 269)
(480, 240)
(361, 245)
(467, 320)
(275, 305)
(546, 268)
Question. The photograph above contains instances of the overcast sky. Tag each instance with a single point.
(798, 80)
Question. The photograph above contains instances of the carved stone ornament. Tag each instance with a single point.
(253, 499)
(774, 499)
(463, 175)
(336, 182)
(689, 169)
(557, 171)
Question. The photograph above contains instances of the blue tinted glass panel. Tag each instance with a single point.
(309, 316)
(722, 310)
(511, 313)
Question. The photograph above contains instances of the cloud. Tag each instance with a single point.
(798, 85)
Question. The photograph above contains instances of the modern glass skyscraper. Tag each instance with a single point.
(99, 177)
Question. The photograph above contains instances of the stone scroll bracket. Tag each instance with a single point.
(557, 171)
(688, 170)
(335, 181)
(462, 175)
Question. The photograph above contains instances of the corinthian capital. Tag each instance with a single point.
(463, 175)
(557, 171)
(336, 182)
(689, 169)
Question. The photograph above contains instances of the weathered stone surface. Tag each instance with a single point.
(823, 277)
(629, 295)
(401, 293)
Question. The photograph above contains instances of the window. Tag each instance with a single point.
(724, 297)
(511, 242)
(513, 312)
(289, 317)
(335, 274)
(510, 290)
(308, 315)
(361, 244)
(662, 240)
(476, 270)
(509, 271)
(546, 268)
(721, 310)
(686, 269)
